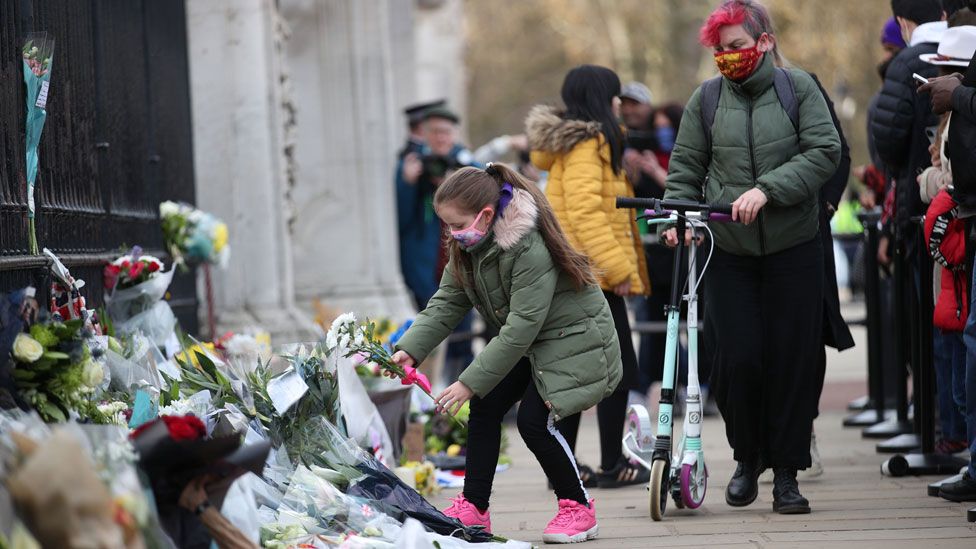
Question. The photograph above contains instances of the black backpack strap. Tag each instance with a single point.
(786, 92)
(711, 91)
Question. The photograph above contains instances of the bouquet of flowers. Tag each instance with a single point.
(114, 461)
(371, 480)
(306, 389)
(58, 493)
(422, 476)
(55, 372)
(131, 270)
(194, 236)
(385, 334)
(445, 437)
(38, 54)
(137, 284)
(173, 450)
(353, 339)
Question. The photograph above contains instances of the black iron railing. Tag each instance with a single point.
(117, 140)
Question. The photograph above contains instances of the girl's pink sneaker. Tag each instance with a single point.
(467, 513)
(574, 523)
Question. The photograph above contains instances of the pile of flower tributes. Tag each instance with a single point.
(106, 415)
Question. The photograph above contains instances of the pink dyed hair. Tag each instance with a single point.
(753, 17)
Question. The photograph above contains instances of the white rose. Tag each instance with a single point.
(168, 208)
(27, 349)
(92, 375)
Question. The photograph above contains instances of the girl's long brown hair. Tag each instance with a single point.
(472, 189)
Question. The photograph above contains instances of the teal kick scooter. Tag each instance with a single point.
(680, 472)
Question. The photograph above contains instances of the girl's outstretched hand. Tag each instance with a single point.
(451, 399)
(402, 360)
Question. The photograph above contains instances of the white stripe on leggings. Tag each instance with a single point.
(551, 425)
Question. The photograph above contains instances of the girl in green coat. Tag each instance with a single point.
(557, 350)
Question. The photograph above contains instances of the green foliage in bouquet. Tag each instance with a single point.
(441, 433)
(55, 372)
(201, 374)
(320, 400)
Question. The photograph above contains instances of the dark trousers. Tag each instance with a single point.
(767, 315)
(612, 411)
(535, 425)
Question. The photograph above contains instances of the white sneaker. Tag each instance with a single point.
(816, 465)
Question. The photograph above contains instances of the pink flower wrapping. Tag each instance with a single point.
(412, 375)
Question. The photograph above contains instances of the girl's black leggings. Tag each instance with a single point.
(535, 425)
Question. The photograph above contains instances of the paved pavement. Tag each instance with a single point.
(853, 504)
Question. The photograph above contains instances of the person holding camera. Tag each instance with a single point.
(423, 255)
(418, 175)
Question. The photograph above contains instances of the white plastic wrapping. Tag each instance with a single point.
(140, 309)
(363, 421)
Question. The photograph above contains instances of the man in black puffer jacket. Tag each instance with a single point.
(902, 120)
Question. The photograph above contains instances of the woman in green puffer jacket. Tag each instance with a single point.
(556, 351)
(765, 286)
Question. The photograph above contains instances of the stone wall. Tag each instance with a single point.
(297, 120)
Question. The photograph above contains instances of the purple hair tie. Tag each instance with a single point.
(504, 198)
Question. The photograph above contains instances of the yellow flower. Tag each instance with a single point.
(220, 237)
(207, 348)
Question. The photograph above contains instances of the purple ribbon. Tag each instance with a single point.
(504, 198)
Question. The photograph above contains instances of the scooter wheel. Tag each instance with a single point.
(659, 488)
(693, 486)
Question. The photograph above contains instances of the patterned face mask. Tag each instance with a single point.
(471, 235)
(738, 65)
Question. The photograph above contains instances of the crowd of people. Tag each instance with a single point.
(556, 272)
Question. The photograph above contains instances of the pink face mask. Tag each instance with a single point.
(471, 235)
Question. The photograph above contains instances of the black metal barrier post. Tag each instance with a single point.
(891, 423)
(872, 412)
(926, 461)
(903, 294)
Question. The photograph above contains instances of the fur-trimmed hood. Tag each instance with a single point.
(517, 220)
(549, 132)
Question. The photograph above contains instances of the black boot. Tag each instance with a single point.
(744, 486)
(786, 494)
(963, 489)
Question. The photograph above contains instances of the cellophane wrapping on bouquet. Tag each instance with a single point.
(76, 485)
(136, 285)
(38, 56)
(194, 236)
(370, 479)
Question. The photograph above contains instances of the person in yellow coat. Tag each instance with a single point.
(582, 148)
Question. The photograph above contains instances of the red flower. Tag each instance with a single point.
(185, 427)
(136, 270)
(153, 267)
(110, 276)
(179, 427)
